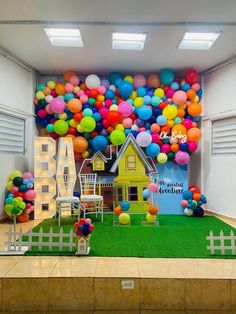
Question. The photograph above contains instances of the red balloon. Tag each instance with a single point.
(191, 76)
(72, 131)
(98, 104)
(194, 189)
(93, 93)
(78, 116)
(162, 105)
(113, 117)
(18, 194)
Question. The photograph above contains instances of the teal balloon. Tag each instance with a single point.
(50, 128)
(40, 87)
(167, 77)
(9, 200)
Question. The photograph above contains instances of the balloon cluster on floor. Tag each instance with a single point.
(192, 201)
(161, 111)
(20, 195)
(84, 227)
(124, 217)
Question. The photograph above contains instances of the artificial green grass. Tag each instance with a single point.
(177, 237)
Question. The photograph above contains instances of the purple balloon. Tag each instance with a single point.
(105, 83)
(182, 158)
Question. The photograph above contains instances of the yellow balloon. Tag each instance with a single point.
(138, 102)
(85, 154)
(73, 123)
(133, 95)
(114, 107)
(151, 218)
(51, 84)
(14, 173)
(101, 98)
(79, 128)
(129, 78)
(62, 116)
(120, 127)
(196, 99)
(124, 219)
(40, 95)
(170, 112)
(159, 92)
(9, 185)
(76, 89)
(170, 123)
(162, 158)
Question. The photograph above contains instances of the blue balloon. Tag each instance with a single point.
(77, 194)
(110, 93)
(23, 188)
(167, 77)
(161, 120)
(118, 82)
(69, 96)
(144, 112)
(127, 131)
(198, 212)
(99, 143)
(147, 99)
(141, 91)
(114, 76)
(188, 195)
(97, 116)
(152, 150)
(183, 147)
(29, 185)
(185, 87)
(25, 181)
(125, 89)
(174, 85)
(146, 194)
(199, 92)
(156, 100)
(125, 206)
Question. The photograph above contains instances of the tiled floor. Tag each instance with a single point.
(94, 284)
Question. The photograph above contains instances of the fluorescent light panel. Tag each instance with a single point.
(64, 37)
(128, 41)
(198, 41)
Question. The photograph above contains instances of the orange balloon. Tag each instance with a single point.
(194, 134)
(118, 210)
(153, 210)
(60, 89)
(174, 148)
(110, 129)
(196, 197)
(23, 217)
(80, 144)
(74, 105)
(179, 129)
(83, 86)
(68, 75)
(180, 113)
(195, 109)
(43, 132)
(191, 93)
(153, 80)
(70, 135)
(46, 91)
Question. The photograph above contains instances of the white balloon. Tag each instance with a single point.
(92, 81)
(134, 127)
(144, 139)
(188, 212)
(49, 98)
(112, 87)
(173, 140)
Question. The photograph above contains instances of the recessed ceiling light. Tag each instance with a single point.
(129, 41)
(64, 37)
(198, 41)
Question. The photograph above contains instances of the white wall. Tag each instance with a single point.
(218, 173)
(16, 95)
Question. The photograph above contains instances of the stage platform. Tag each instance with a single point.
(117, 285)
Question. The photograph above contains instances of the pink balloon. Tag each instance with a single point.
(125, 109)
(179, 97)
(88, 221)
(170, 92)
(14, 189)
(32, 208)
(192, 146)
(69, 87)
(155, 137)
(27, 175)
(42, 113)
(84, 99)
(165, 148)
(182, 158)
(80, 93)
(48, 109)
(30, 195)
(101, 90)
(153, 187)
(53, 93)
(139, 80)
(57, 105)
(127, 122)
(103, 112)
(184, 203)
(187, 123)
(74, 80)
(108, 103)
(196, 86)
(27, 210)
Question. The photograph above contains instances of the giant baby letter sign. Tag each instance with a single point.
(44, 171)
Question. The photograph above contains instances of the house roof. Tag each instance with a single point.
(100, 155)
(131, 140)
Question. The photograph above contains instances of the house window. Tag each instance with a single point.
(132, 193)
(119, 196)
(131, 162)
(98, 164)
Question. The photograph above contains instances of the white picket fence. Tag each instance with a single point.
(222, 247)
(15, 242)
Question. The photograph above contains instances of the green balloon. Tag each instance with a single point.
(22, 205)
(117, 137)
(8, 209)
(88, 124)
(15, 210)
(60, 127)
(9, 200)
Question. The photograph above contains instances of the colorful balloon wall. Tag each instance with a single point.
(161, 111)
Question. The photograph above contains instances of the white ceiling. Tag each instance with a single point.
(22, 22)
